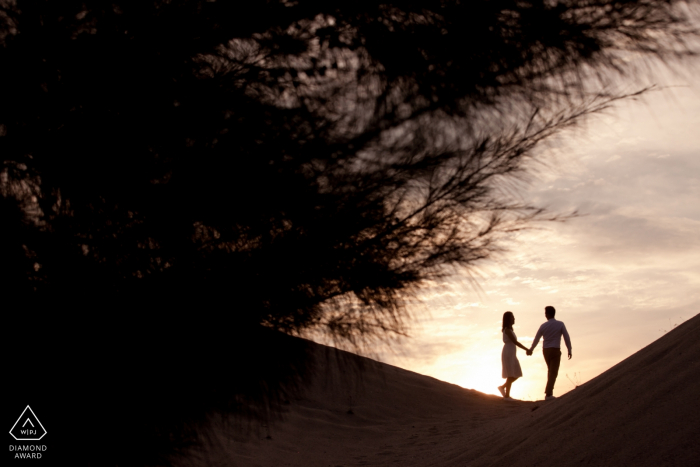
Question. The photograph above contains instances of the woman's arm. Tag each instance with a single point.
(511, 336)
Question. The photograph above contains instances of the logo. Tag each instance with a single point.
(27, 427)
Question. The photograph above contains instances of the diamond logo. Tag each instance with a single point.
(28, 427)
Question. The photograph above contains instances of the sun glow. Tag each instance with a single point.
(478, 366)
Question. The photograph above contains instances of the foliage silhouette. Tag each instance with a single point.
(290, 165)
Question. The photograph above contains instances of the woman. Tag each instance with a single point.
(511, 365)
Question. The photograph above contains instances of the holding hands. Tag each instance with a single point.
(529, 352)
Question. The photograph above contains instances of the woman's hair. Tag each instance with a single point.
(507, 320)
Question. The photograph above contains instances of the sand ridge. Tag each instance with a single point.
(641, 412)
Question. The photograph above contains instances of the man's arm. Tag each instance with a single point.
(567, 339)
(537, 339)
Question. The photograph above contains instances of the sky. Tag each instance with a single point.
(620, 275)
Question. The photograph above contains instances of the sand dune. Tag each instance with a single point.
(642, 412)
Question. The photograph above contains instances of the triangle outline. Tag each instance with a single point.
(35, 418)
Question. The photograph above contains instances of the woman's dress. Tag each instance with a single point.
(511, 365)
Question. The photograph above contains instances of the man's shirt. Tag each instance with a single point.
(552, 331)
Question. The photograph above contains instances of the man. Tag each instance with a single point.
(552, 331)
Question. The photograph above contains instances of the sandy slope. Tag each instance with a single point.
(642, 412)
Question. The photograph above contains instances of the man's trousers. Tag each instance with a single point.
(552, 356)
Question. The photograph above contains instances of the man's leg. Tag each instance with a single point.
(552, 356)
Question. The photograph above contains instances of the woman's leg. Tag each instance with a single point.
(509, 382)
(502, 389)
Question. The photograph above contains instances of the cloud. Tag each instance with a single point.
(620, 275)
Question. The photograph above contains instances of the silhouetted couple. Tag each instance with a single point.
(551, 331)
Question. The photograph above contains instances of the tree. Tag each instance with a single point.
(291, 165)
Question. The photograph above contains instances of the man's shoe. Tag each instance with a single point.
(549, 398)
